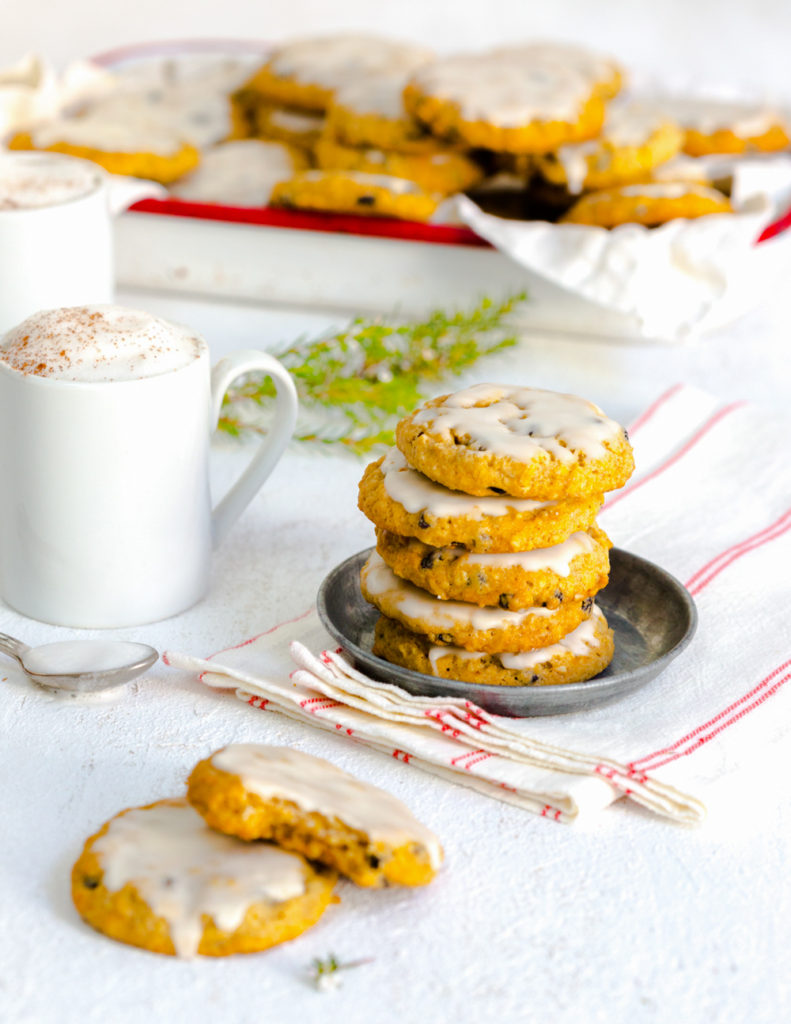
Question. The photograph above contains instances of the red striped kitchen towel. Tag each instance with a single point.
(711, 502)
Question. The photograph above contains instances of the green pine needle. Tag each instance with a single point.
(324, 973)
(356, 384)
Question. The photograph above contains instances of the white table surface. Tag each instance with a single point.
(623, 919)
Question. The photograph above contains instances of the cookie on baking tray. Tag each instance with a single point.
(369, 111)
(443, 171)
(120, 149)
(576, 568)
(310, 806)
(475, 628)
(520, 441)
(650, 204)
(728, 126)
(305, 73)
(398, 498)
(159, 878)
(239, 173)
(513, 101)
(602, 73)
(578, 656)
(377, 195)
(635, 139)
(298, 128)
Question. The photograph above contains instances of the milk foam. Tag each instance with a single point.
(98, 344)
(30, 181)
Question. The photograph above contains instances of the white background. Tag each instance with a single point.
(731, 41)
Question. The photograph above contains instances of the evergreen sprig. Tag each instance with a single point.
(325, 973)
(354, 385)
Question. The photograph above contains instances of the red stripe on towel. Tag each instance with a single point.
(701, 579)
(705, 732)
(648, 413)
(676, 456)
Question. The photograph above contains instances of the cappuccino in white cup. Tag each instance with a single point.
(55, 234)
(105, 420)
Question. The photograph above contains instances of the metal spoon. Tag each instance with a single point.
(77, 667)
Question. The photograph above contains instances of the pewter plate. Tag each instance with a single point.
(651, 613)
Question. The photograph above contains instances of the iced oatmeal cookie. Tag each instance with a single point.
(728, 126)
(310, 806)
(305, 73)
(649, 204)
(239, 173)
(440, 172)
(159, 878)
(512, 101)
(377, 195)
(369, 111)
(635, 139)
(397, 498)
(119, 148)
(580, 655)
(576, 568)
(495, 439)
(466, 625)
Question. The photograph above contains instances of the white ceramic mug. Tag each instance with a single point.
(105, 513)
(55, 235)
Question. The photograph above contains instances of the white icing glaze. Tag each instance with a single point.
(522, 423)
(34, 180)
(579, 641)
(107, 135)
(183, 869)
(241, 173)
(185, 98)
(594, 67)
(557, 558)
(98, 343)
(295, 121)
(699, 170)
(437, 652)
(314, 784)
(507, 90)
(746, 120)
(157, 113)
(66, 656)
(381, 583)
(626, 125)
(399, 186)
(331, 61)
(380, 94)
(197, 72)
(416, 493)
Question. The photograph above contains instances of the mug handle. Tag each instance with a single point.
(271, 448)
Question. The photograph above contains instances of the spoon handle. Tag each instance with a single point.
(10, 645)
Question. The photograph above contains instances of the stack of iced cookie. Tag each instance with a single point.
(488, 556)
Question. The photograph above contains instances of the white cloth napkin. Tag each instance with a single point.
(675, 280)
(710, 502)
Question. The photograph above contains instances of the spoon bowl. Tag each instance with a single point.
(75, 667)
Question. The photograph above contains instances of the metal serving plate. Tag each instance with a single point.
(651, 613)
